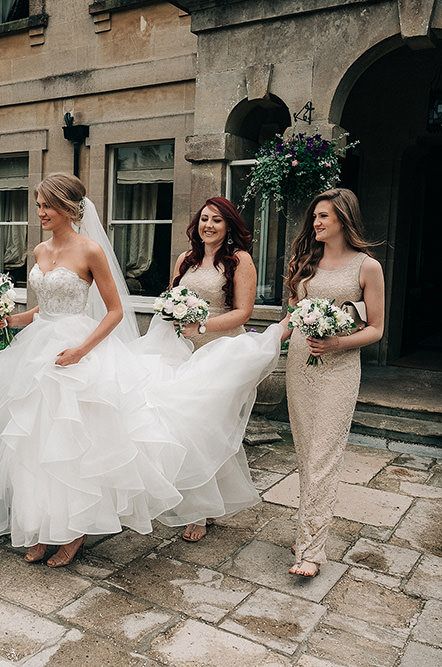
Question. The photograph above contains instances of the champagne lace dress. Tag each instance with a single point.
(321, 402)
(208, 283)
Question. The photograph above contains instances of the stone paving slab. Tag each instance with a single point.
(23, 633)
(196, 591)
(351, 650)
(421, 528)
(116, 615)
(310, 661)
(369, 602)
(383, 557)
(274, 619)
(391, 477)
(426, 580)
(267, 564)
(252, 519)
(371, 631)
(220, 543)
(418, 654)
(281, 459)
(264, 479)
(385, 580)
(126, 546)
(37, 586)
(87, 650)
(357, 503)
(361, 464)
(429, 626)
(199, 645)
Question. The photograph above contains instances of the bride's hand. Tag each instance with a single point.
(286, 332)
(67, 357)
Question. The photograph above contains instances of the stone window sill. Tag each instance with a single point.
(20, 25)
(99, 6)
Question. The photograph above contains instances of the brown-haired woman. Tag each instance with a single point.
(219, 268)
(330, 260)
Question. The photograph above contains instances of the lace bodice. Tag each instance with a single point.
(338, 284)
(208, 283)
(60, 291)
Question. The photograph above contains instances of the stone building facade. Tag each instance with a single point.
(177, 98)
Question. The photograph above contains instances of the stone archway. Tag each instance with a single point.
(382, 100)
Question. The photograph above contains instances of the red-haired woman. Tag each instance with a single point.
(219, 268)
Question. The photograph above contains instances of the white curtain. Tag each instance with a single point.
(5, 8)
(138, 202)
(13, 238)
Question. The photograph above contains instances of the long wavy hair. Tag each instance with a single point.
(226, 258)
(307, 252)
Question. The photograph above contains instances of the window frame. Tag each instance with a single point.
(141, 304)
(259, 310)
(37, 18)
(21, 292)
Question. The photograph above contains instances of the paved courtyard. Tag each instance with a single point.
(155, 600)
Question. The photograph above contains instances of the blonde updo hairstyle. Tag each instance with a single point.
(65, 193)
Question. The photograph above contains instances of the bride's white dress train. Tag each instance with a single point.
(129, 433)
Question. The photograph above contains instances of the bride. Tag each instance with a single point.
(100, 428)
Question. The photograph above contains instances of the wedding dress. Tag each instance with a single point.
(135, 430)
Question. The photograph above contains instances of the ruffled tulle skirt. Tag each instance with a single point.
(126, 435)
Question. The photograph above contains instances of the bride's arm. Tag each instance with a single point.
(101, 273)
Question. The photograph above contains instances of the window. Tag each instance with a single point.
(14, 217)
(12, 10)
(140, 216)
(268, 229)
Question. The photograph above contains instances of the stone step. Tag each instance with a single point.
(398, 427)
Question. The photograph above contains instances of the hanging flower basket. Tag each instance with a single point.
(300, 167)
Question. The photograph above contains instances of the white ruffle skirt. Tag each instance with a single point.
(129, 434)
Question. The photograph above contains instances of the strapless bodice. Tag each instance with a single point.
(59, 291)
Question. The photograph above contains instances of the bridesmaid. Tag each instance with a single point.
(219, 268)
(330, 260)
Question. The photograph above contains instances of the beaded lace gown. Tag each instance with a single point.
(120, 437)
(321, 401)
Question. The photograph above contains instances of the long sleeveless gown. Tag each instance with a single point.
(231, 481)
(129, 433)
(321, 401)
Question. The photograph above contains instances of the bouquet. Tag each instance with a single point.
(319, 318)
(7, 305)
(183, 306)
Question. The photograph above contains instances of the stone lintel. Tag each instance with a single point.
(25, 140)
(108, 79)
(214, 147)
(210, 14)
(415, 22)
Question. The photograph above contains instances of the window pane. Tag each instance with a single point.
(268, 229)
(11, 10)
(143, 252)
(14, 207)
(143, 190)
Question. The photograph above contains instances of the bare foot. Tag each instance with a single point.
(305, 569)
(36, 553)
(194, 532)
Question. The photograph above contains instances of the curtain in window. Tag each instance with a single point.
(139, 202)
(5, 9)
(13, 238)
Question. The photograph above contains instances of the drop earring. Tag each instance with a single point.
(229, 239)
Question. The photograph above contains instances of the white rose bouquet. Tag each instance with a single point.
(318, 318)
(183, 306)
(7, 305)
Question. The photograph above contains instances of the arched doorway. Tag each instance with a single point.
(396, 174)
